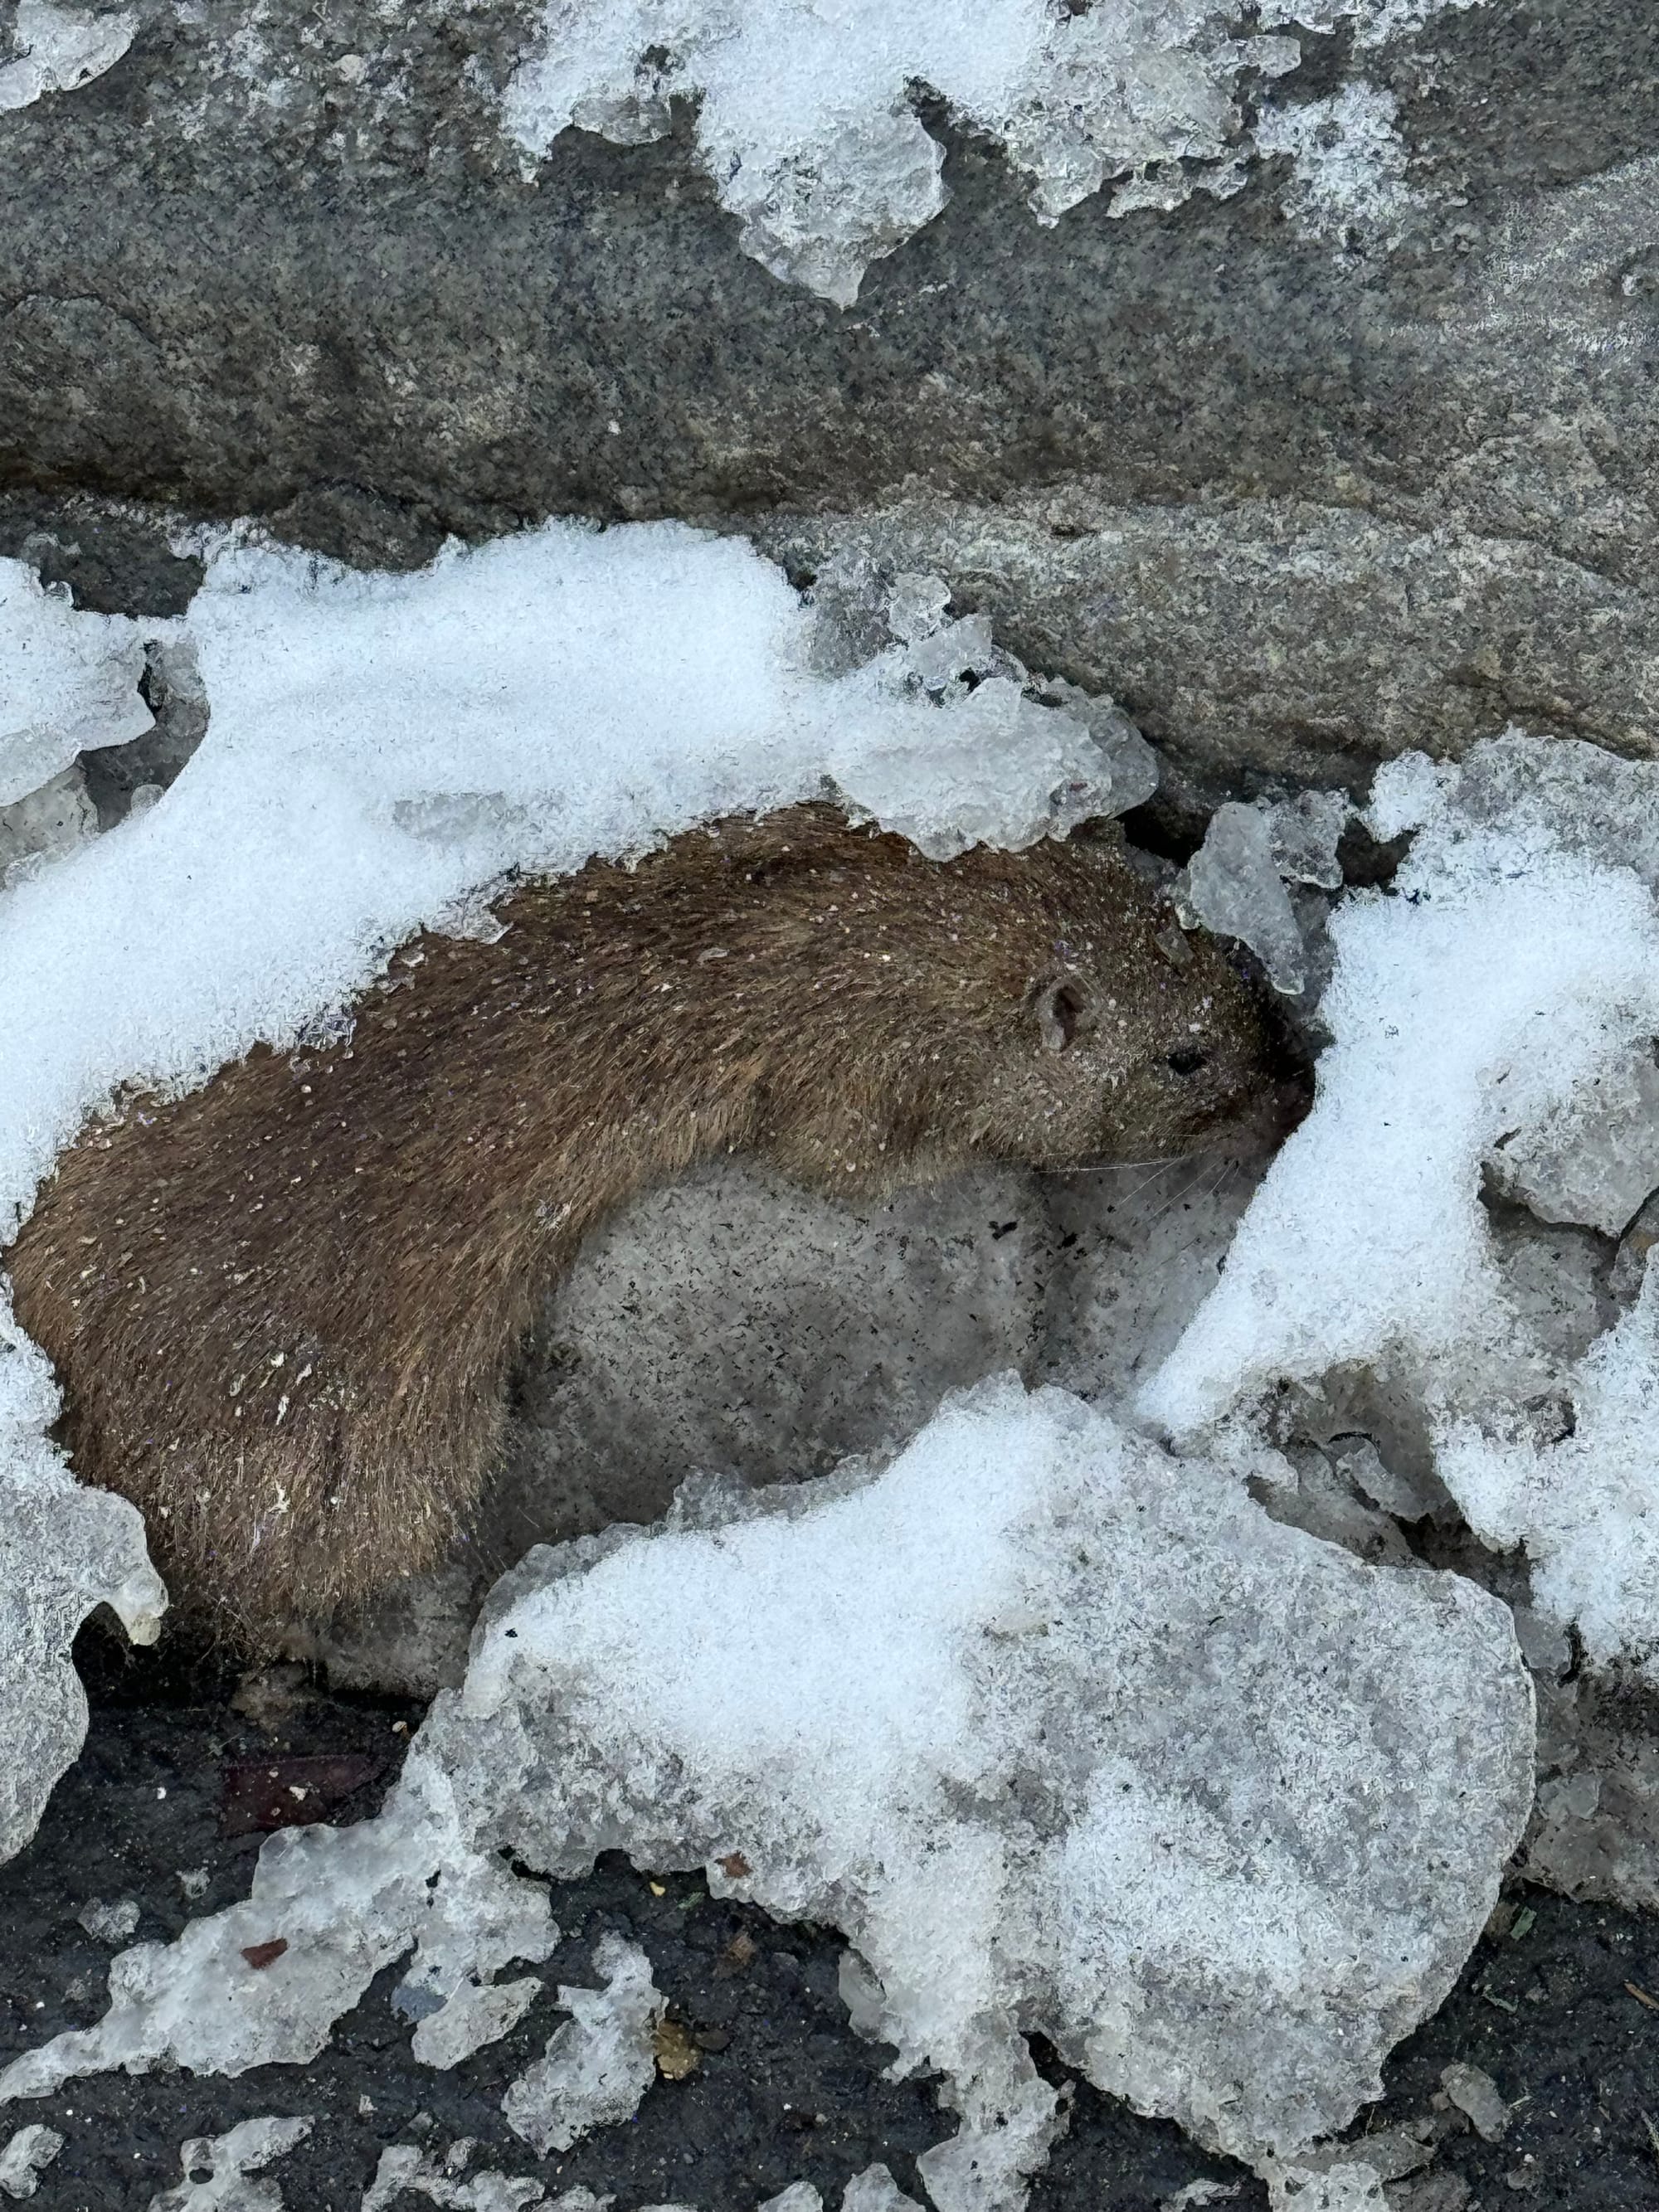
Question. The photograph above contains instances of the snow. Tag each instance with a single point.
(1065, 1732)
(60, 49)
(1500, 1004)
(806, 125)
(599, 2065)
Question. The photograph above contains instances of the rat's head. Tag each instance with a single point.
(1110, 1033)
(1042, 1006)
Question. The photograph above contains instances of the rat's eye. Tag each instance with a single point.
(1187, 1060)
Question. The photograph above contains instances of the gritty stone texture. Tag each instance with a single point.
(734, 1321)
(1297, 502)
(1272, 638)
(1326, 496)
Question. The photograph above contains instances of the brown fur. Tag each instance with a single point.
(284, 1306)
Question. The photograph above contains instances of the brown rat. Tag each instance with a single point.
(284, 1307)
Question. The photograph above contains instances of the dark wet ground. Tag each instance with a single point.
(782, 2090)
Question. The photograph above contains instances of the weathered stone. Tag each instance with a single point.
(1267, 637)
(734, 1321)
(297, 268)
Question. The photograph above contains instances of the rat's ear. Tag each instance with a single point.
(1059, 1005)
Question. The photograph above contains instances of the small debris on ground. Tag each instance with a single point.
(1478, 2097)
(260, 1793)
(677, 2053)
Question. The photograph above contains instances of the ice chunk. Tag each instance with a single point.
(61, 48)
(1063, 1732)
(805, 123)
(342, 1904)
(872, 2191)
(46, 826)
(1594, 1833)
(1131, 760)
(473, 2016)
(1304, 833)
(64, 1551)
(1397, 1492)
(1105, 1912)
(1233, 885)
(876, 2190)
(1485, 1011)
(224, 2162)
(1349, 180)
(996, 767)
(1595, 1157)
(23, 2157)
(446, 2181)
(599, 2064)
(109, 1923)
(69, 680)
(1349, 2184)
(1585, 1500)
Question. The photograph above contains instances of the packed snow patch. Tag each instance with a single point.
(61, 48)
(1493, 1017)
(1065, 1732)
(807, 124)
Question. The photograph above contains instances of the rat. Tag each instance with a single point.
(284, 1307)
